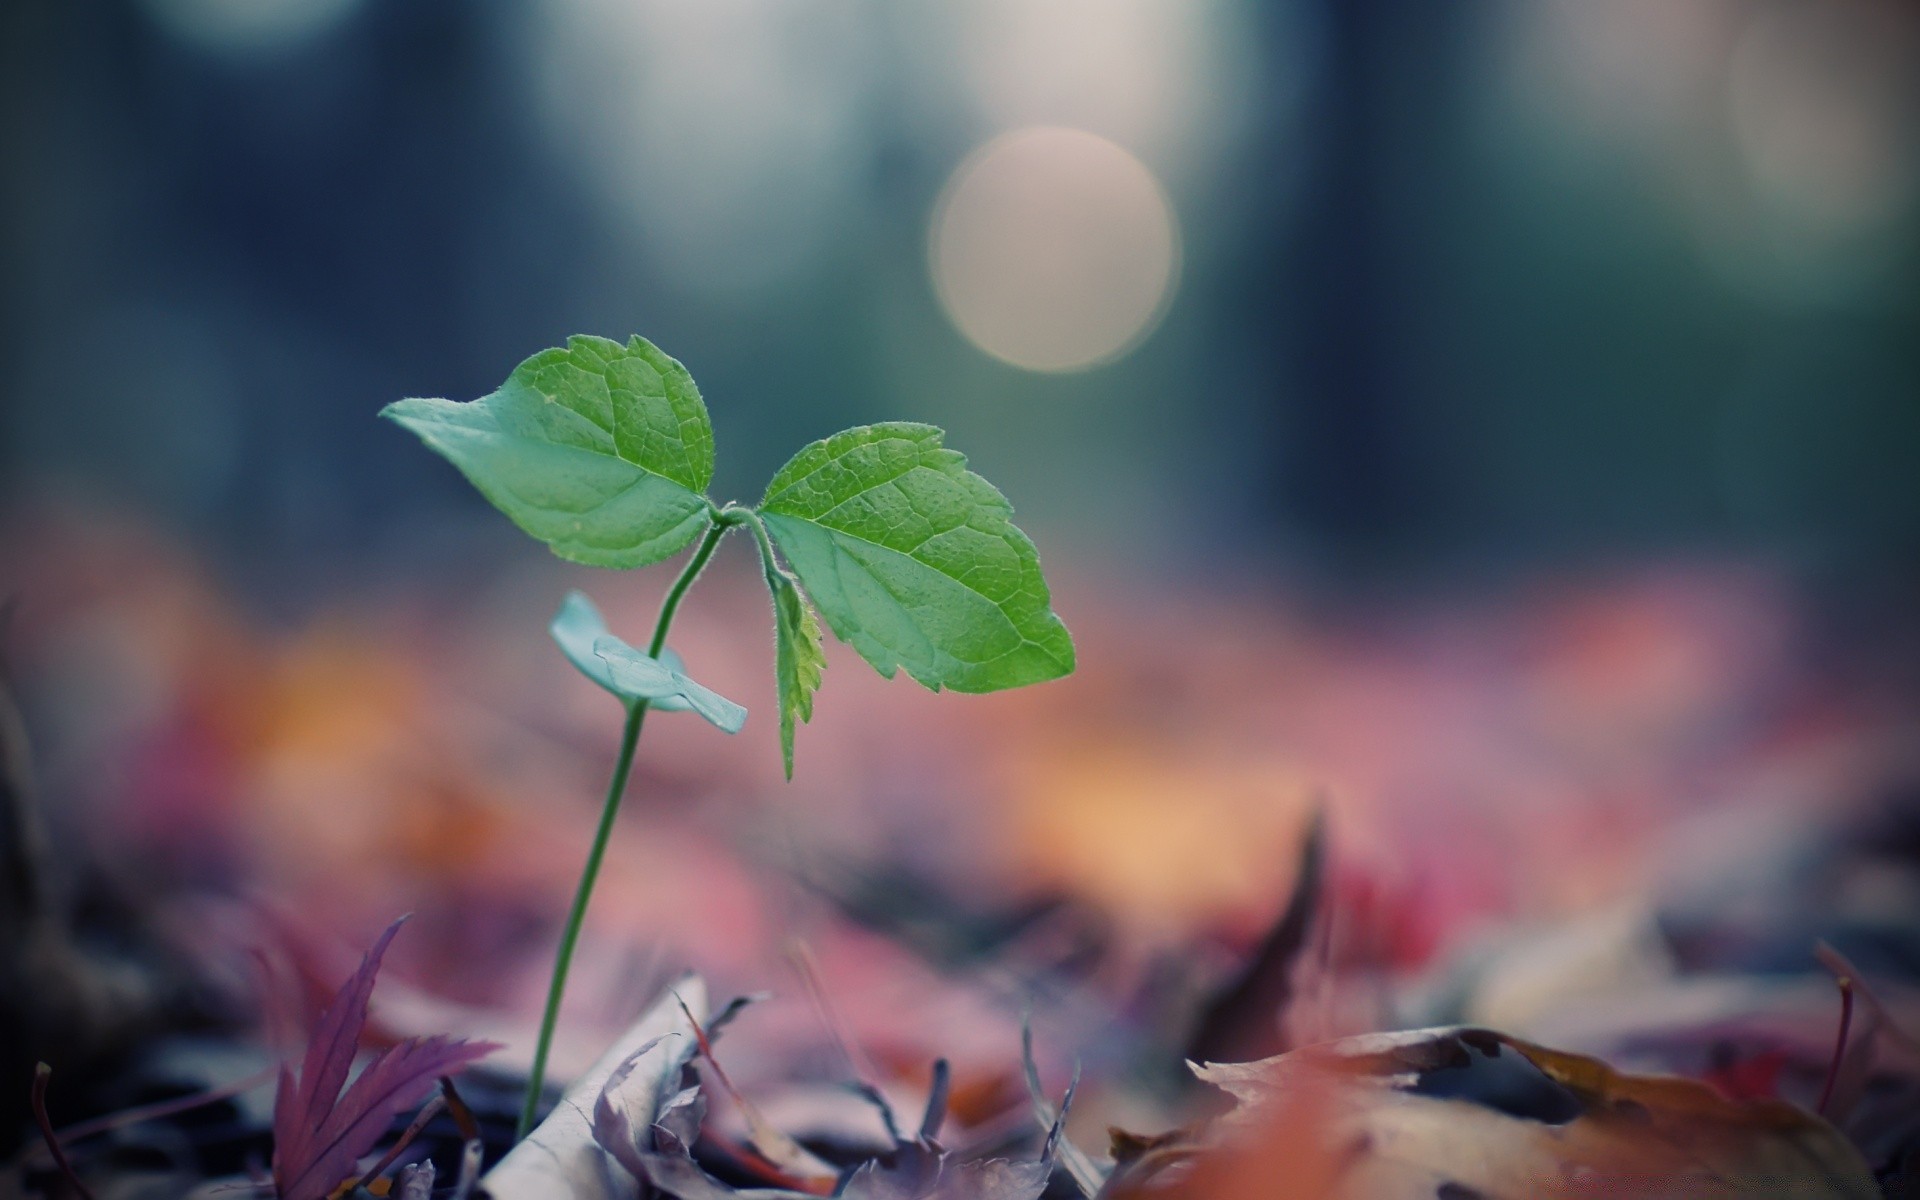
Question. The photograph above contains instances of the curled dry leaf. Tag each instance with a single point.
(1085, 1173)
(622, 1094)
(1469, 1113)
(920, 1168)
(994, 1179)
(646, 1117)
(415, 1182)
(1241, 1021)
(784, 1157)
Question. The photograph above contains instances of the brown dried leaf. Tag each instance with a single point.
(1467, 1112)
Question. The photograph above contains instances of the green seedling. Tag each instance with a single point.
(605, 453)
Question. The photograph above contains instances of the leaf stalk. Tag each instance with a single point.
(723, 520)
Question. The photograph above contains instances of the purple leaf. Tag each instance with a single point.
(336, 1039)
(318, 1133)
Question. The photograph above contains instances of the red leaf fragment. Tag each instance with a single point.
(1755, 1077)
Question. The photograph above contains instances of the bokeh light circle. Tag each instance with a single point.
(1054, 249)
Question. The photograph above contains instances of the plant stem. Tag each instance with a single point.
(629, 740)
(752, 521)
(723, 520)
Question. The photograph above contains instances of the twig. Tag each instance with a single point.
(428, 1112)
(1839, 1042)
(463, 1118)
(1080, 1168)
(469, 1169)
(471, 1148)
(41, 1074)
(858, 1065)
(165, 1108)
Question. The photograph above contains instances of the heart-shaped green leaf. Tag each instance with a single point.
(914, 561)
(602, 451)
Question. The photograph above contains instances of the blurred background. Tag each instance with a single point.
(1495, 422)
(1304, 285)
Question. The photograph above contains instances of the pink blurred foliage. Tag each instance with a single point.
(1481, 756)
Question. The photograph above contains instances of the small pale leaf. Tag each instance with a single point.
(578, 625)
(637, 677)
(602, 451)
(914, 561)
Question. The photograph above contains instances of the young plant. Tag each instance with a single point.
(604, 452)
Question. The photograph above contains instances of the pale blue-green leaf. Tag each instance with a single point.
(914, 560)
(602, 451)
(578, 625)
(636, 675)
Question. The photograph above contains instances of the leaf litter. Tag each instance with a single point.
(649, 1113)
(1772, 1039)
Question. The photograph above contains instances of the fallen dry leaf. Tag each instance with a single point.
(638, 1073)
(1458, 1113)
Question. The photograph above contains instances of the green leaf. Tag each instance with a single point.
(913, 560)
(643, 678)
(798, 656)
(631, 676)
(578, 625)
(602, 451)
